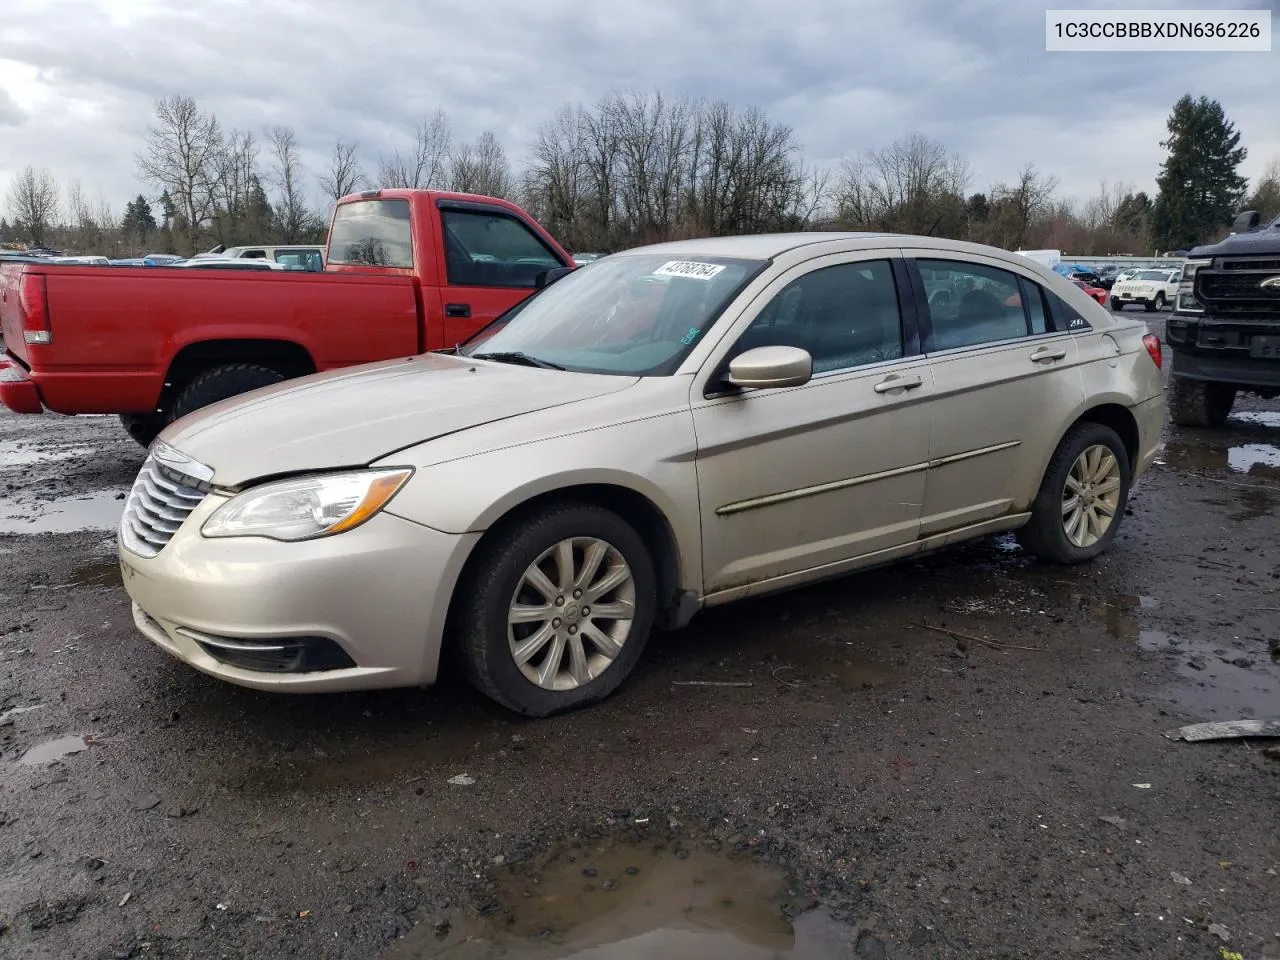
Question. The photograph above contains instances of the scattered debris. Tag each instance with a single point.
(1226, 730)
(143, 801)
(303, 914)
(462, 780)
(1143, 786)
(125, 898)
(1221, 932)
(1120, 822)
(993, 644)
(1179, 878)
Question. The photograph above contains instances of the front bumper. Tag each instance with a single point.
(378, 594)
(1226, 367)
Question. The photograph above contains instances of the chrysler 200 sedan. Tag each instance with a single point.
(669, 429)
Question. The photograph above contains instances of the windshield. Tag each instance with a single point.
(634, 315)
(1160, 275)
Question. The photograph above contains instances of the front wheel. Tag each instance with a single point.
(1116, 305)
(1159, 301)
(557, 611)
(221, 383)
(1082, 497)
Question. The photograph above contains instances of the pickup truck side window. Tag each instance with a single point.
(490, 250)
(372, 233)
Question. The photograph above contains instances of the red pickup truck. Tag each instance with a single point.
(407, 271)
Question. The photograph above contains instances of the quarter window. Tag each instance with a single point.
(845, 316)
(490, 250)
(971, 304)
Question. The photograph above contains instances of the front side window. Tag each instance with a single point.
(374, 233)
(634, 315)
(491, 250)
(845, 316)
(971, 304)
(310, 260)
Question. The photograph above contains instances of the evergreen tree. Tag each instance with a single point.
(168, 209)
(138, 220)
(1200, 186)
(1132, 212)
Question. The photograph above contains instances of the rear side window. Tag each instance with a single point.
(1033, 297)
(1066, 318)
(373, 233)
(971, 303)
(491, 250)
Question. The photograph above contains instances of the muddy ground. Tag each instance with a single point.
(820, 774)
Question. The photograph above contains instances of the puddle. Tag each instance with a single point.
(104, 574)
(53, 750)
(16, 711)
(16, 453)
(1259, 418)
(96, 511)
(628, 901)
(1259, 459)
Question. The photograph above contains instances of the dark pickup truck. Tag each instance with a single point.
(1224, 333)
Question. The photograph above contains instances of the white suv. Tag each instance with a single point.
(1154, 289)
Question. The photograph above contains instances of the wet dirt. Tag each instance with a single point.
(935, 760)
(18, 453)
(624, 900)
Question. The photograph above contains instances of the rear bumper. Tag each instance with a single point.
(1245, 372)
(17, 391)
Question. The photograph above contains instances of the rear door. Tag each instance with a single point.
(1005, 380)
(492, 261)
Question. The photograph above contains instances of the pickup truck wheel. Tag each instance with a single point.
(143, 427)
(1198, 403)
(557, 611)
(221, 383)
(1082, 497)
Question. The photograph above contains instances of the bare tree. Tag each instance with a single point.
(480, 168)
(427, 165)
(1017, 207)
(344, 175)
(33, 203)
(237, 174)
(913, 185)
(182, 155)
(293, 219)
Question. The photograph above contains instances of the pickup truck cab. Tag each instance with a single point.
(406, 271)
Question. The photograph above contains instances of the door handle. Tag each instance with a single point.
(457, 309)
(1045, 354)
(897, 383)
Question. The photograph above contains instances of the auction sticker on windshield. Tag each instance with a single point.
(688, 268)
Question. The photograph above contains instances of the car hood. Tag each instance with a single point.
(354, 417)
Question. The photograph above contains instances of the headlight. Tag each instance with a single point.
(307, 507)
(1187, 302)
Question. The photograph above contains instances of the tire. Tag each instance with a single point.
(221, 383)
(1159, 302)
(1116, 305)
(143, 427)
(1198, 403)
(485, 641)
(1046, 534)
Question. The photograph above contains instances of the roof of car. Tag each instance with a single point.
(767, 246)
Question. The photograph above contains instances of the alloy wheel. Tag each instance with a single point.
(1091, 496)
(571, 613)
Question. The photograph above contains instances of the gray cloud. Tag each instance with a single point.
(846, 75)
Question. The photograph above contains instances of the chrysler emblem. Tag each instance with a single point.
(1271, 283)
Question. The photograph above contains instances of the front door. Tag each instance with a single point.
(492, 262)
(796, 478)
(1006, 382)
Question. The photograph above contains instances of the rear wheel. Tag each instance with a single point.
(1198, 403)
(221, 383)
(1116, 305)
(558, 610)
(1082, 498)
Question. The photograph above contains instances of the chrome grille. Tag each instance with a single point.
(161, 499)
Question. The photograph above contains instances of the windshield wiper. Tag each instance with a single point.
(515, 356)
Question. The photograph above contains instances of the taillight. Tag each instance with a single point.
(34, 298)
(1152, 343)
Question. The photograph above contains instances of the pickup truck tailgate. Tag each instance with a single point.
(11, 310)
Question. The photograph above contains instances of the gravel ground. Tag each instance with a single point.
(825, 773)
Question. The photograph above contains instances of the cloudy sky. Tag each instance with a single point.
(78, 78)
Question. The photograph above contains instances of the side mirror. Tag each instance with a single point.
(547, 277)
(765, 367)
